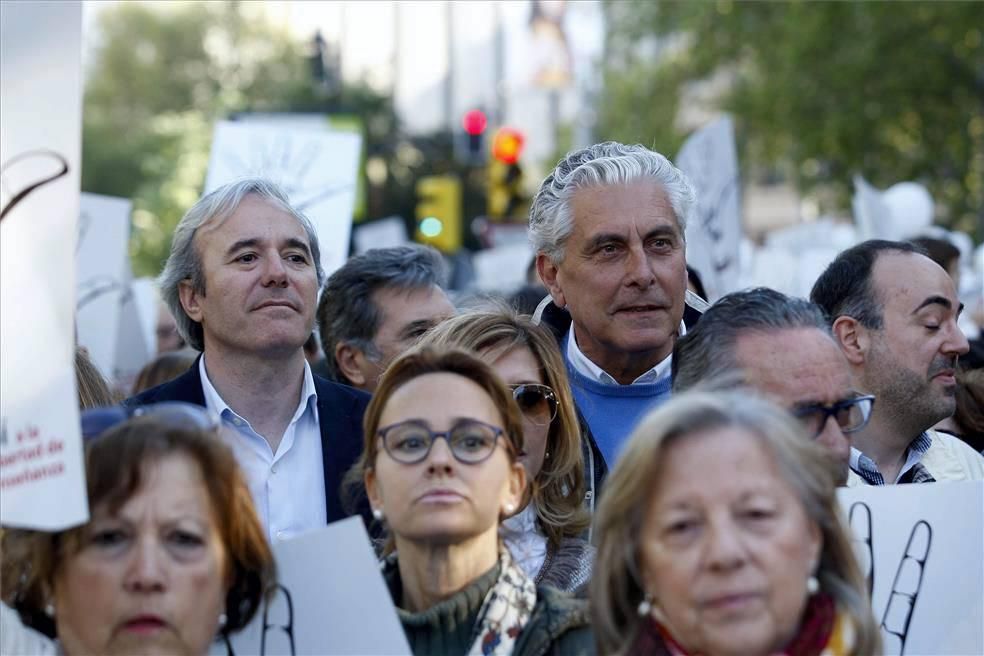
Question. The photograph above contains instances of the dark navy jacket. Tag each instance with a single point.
(340, 410)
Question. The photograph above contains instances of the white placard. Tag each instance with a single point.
(132, 348)
(924, 546)
(42, 477)
(318, 170)
(502, 268)
(330, 599)
(713, 235)
(102, 268)
(384, 233)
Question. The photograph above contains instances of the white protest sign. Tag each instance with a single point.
(133, 351)
(921, 546)
(713, 235)
(318, 170)
(502, 268)
(42, 477)
(330, 599)
(384, 233)
(102, 273)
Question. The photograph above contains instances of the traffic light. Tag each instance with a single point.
(474, 123)
(505, 189)
(439, 212)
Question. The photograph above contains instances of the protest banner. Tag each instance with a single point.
(921, 548)
(102, 269)
(714, 232)
(42, 482)
(318, 170)
(330, 598)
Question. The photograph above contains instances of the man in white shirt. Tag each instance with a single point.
(242, 281)
(894, 314)
(608, 227)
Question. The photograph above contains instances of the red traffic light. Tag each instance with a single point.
(474, 122)
(508, 145)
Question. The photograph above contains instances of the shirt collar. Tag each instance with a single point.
(585, 366)
(866, 468)
(215, 403)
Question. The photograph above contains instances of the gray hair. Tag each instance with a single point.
(607, 163)
(184, 261)
(346, 312)
(617, 583)
(707, 352)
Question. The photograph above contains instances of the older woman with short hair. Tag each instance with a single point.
(172, 557)
(545, 535)
(440, 466)
(720, 533)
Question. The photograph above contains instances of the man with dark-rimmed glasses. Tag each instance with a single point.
(782, 347)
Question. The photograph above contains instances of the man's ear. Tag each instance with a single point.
(853, 338)
(347, 359)
(190, 300)
(548, 271)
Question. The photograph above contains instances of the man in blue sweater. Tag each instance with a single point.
(608, 227)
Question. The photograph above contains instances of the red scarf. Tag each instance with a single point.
(813, 635)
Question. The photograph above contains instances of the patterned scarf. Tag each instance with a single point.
(824, 632)
(506, 609)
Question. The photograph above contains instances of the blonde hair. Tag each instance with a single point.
(616, 590)
(558, 489)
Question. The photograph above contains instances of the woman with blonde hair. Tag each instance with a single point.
(546, 533)
(720, 533)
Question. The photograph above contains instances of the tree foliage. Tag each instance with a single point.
(162, 74)
(819, 90)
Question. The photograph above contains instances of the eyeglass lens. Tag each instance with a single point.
(849, 415)
(537, 403)
(470, 442)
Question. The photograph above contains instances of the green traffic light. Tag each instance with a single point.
(431, 226)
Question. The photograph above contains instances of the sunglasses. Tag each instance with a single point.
(175, 414)
(409, 442)
(850, 414)
(537, 402)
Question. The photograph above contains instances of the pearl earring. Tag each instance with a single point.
(510, 508)
(812, 585)
(377, 514)
(645, 606)
(223, 619)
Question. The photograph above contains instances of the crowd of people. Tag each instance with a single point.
(624, 469)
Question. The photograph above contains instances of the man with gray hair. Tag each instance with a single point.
(376, 306)
(608, 229)
(242, 282)
(783, 347)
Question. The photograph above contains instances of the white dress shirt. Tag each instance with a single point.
(288, 486)
(588, 368)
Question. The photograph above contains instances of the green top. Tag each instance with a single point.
(447, 628)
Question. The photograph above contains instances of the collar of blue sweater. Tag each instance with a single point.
(589, 369)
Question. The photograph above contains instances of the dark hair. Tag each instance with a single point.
(115, 464)
(938, 250)
(969, 415)
(164, 368)
(707, 351)
(346, 312)
(93, 389)
(844, 288)
(419, 362)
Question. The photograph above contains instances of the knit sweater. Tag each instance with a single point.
(612, 411)
(447, 628)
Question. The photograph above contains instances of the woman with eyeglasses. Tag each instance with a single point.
(441, 469)
(172, 557)
(545, 535)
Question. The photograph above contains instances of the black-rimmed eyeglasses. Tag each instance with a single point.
(409, 442)
(537, 402)
(850, 414)
(176, 414)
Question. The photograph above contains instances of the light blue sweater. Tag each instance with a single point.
(612, 411)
